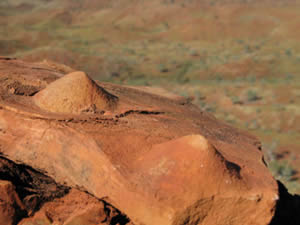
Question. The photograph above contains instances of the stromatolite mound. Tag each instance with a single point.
(145, 159)
(74, 93)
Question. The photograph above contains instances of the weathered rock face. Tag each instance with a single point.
(158, 160)
(75, 208)
(25, 192)
(11, 208)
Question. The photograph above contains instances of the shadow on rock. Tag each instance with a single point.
(288, 208)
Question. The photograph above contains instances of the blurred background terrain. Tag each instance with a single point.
(239, 59)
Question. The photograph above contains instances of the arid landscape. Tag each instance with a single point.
(236, 59)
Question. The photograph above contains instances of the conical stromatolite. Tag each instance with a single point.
(74, 93)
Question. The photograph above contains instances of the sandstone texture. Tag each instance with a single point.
(11, 206)
(83, 152)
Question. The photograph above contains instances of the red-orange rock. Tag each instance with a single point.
(91, 215)
(75, 208)
(200, 186)
(38, 219)
(10, 205)
(159, 160)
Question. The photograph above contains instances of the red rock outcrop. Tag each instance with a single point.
(156, 159)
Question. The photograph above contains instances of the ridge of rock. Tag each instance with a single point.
(74, 93)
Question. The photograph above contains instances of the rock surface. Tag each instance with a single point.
(11, 207)
(158, 160)
(75, 208)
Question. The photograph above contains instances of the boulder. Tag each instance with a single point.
(159, 160)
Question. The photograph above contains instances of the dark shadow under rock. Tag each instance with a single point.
(288, 208)
(33, 187)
